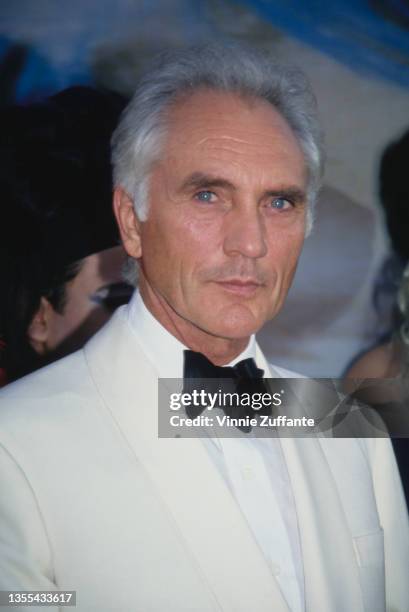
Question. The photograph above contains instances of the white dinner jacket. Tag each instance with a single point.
(91, 500)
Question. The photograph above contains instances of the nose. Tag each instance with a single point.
(245, 232)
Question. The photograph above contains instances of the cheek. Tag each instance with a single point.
(284, 251)
(285, 245)
(159, 252)
(177, 251)
(77, 310)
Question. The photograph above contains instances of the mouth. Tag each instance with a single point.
(240, 286)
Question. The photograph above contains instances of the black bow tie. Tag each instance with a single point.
(245, 377)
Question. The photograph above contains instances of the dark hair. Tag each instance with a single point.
(394, 197)
(394, 194)
(17, 356)
(56, 192)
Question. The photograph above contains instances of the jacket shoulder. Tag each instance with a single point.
(46, 390)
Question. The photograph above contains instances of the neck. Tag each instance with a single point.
(219, 351)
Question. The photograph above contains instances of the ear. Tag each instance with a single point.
(40, 327)
(128, 223)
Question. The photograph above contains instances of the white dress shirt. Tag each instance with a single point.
(253, 468)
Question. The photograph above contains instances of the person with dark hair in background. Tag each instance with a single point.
(60, 259)
(389, 359)
(217, 163)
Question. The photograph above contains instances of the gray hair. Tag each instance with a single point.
(137, 141)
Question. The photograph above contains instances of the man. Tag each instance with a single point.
(217, 161)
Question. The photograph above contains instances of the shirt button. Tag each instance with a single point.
(276, 569)
(247, 473)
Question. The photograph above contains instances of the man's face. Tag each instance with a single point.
(226, 214)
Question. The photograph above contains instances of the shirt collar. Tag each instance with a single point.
(163, 350)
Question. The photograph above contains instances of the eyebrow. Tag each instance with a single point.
(200, 180)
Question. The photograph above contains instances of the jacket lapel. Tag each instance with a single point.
(184, 476)
(330, 569)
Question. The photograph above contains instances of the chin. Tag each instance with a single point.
(237, 323)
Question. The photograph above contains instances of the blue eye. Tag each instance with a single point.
(205, 196)
(280, 203)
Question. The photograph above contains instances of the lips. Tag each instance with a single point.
(239, 286)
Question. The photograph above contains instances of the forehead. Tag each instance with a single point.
(228, 126)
